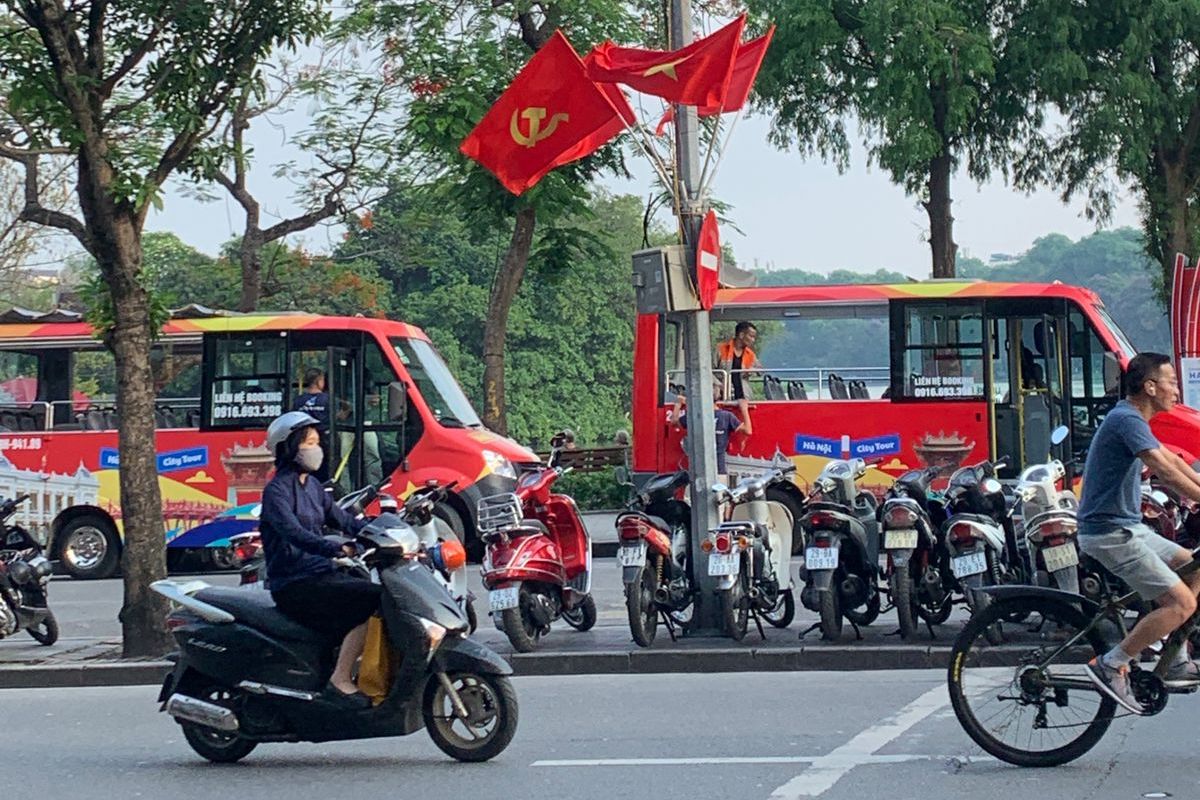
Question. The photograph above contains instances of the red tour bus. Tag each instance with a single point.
(922, 373)
(219, 379)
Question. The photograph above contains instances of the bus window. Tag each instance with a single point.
(247, 380)
(21, 391)
(941, 353)
(176, 370)
(436, 384)
(1091, 395)
(671, 358)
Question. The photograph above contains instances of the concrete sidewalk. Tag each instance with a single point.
(606, 649)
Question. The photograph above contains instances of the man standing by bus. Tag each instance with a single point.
(737, 359)
(314, 401)
(1111, 529)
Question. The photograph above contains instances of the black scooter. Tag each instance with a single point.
(246, 673)
(24, 575)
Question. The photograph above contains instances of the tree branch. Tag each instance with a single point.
(130, 62)
(34, 211)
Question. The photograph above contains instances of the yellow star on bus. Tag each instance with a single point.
(667, 69)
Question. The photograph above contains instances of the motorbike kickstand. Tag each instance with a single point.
(857, 633)
(669, 623)
(929, 626)
(758, 623)
(809, 629)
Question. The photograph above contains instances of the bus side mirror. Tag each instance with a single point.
(397, 401)
(1112, 374)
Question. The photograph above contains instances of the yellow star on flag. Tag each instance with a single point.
(667, 69)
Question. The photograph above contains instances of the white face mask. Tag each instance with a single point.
(309, 459)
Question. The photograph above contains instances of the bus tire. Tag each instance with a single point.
(88, 548)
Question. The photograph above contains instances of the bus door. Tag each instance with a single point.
(345, 454)
(1026, 387)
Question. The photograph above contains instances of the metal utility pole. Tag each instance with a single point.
(701, 451)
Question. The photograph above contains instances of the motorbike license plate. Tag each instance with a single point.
(970, 564)
(1061, 557)
(723, 563)
(821, 558)
(632, 555)
(500, 599)
(900, 540)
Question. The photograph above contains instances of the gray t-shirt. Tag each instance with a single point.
(726, 423)
(1112, 476)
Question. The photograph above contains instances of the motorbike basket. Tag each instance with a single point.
(498, 512)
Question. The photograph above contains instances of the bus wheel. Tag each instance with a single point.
(88, 548)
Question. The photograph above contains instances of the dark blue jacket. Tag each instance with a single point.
(293, 514)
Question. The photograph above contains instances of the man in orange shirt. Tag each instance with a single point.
(736, 358)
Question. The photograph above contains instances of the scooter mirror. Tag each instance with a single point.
(622, 476)
(719, 489)
(1059, 434)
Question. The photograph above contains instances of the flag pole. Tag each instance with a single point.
(704, 185)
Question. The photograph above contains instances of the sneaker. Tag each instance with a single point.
(1114, 682)
(1185, 673)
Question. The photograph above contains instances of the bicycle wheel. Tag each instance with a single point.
(1013, 707)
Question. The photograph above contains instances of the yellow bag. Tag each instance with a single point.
(377, 668)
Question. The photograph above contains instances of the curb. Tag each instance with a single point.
(638, 662)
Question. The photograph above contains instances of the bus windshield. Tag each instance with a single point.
(1123, 342)
(436, 384)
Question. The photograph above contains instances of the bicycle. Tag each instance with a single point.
(1036, 707)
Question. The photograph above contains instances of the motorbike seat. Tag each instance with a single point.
(257, 610)
(981, 519)
(529, 527)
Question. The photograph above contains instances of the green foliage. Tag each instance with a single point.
(594, 490)
(570, 335)
(1124, 77)
(921, 78)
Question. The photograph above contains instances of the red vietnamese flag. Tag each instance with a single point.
(551, 114)
(696, 75)
(741, 80)
(708, 260)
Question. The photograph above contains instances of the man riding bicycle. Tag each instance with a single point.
(1111, 529)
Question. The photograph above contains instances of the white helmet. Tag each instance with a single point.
(285, 425)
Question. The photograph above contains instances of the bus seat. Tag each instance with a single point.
(9, 421)
(160, 421)
(168, 417)
(94, 420)
(772, 389)
(796, 390)
(858, 390)
(112, 419)
(193, 418)
(68, 426)
(26, 421)
(837, 388)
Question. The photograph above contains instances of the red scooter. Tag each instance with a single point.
(537, 562)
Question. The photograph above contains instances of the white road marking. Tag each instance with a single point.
(827, 770)
(896, 758)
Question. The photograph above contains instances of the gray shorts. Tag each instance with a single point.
(1136, 555)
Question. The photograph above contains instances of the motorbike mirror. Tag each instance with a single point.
(1059, 434)
(622, 476)
(991, 486)
(397, 401)
(719, 489)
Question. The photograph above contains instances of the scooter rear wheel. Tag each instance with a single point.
(735, 608)
(583, 616)
(784, 611)
(519, 626)
(217, 746)
(46, 632)
(639, 603)
(491, 723)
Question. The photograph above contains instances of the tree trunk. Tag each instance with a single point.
(505, 285)
(941, 221)
(143, 559)
(251, 257)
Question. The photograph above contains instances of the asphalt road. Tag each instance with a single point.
(841, 736)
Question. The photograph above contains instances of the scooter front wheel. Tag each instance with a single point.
(639, 603)
(491, 721)
(583, 616)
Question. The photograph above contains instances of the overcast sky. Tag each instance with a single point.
(793, 211)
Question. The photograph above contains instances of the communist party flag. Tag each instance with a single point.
(696, 75)
(741, 80)
(551, 114)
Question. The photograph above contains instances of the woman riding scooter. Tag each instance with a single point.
(300, 568)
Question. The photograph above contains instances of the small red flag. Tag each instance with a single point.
(551, 114)
(695, 75)
(741, 81)
(708, 260)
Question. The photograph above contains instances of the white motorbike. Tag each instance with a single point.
(752, 555)
(1049, 519)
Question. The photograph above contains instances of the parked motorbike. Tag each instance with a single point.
(979, 536)
(655, 557)
(912, 559)
(246, 673)
(1051, 527)
(841, 556)
(24, 579)
(751, 555)
(537, 562)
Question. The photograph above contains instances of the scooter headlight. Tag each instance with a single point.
(434, 633)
